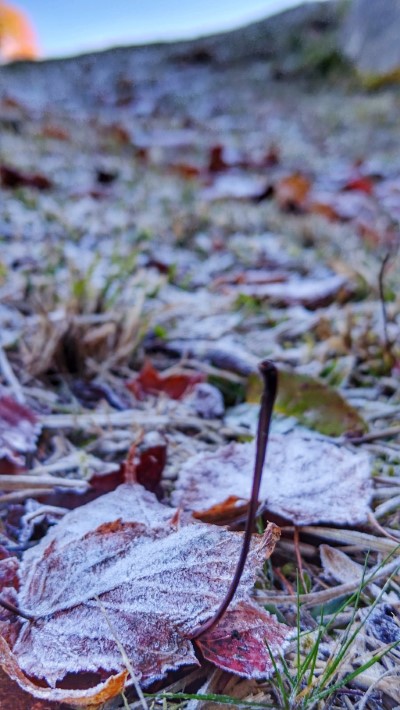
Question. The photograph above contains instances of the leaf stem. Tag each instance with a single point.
(15, 610)
(269, 375)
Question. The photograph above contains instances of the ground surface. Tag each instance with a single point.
(208, 215)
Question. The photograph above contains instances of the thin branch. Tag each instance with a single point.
(269, 374)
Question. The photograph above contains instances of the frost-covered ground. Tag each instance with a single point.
(206, 207)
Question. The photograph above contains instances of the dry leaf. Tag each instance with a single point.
(292, 191)
(13, 178)
(339, 565)
(150, 381)
(306, 480)
(309, 292)
(19, 430)
(122, 562)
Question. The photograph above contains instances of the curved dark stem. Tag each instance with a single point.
(15, 610)
(269, 374)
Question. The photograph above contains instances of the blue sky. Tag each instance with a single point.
(71, 26)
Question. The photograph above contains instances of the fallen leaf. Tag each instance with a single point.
(21, 699)
(55, 133)
(235, 186)
(361, 183)
(122, 563)
(384, 623)
(217, 163)
(13, 178)
(19, 430)
(291, 192)
(146, 461)
(150, 381)
(312, 402)
(306, 480)
(309, 292)
(238, 643)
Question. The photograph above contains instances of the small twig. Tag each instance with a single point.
(285, 582)
(385, 261)
(123, 653)
(373, 521)
(16, 483)
(270, 377)
(366, 697)
(296, 542)
(373, 435)
(23, 494)
(134, 418)
(387, 507)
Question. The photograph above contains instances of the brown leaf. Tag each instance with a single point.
(307, 480)
(13, 178)
(217, 162)
(81, 697)
(21, 699)
(19, 430)
(121, 571)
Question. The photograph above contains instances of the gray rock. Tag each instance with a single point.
(371, 37)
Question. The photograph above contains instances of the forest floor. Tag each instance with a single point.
(159, 207)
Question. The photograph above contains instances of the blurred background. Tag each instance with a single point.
(40, 29)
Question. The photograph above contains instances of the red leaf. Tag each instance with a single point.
(150, 381)
(244, 641)
(145, 462)
(360, 183)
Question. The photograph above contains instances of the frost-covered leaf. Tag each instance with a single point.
(234, 186)
(122, 570)
(309, 292)
(339, 565)
(306, 480)
(19, 430)
(312, 402)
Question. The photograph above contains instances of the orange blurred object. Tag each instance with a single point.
(17, 38)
